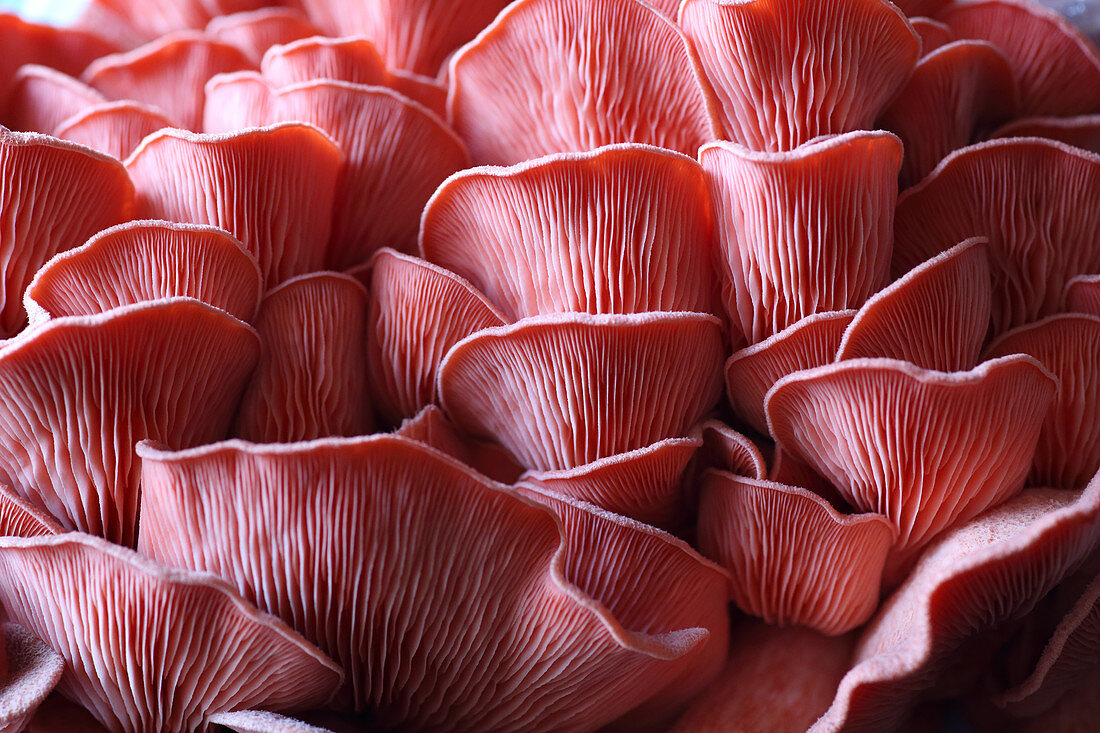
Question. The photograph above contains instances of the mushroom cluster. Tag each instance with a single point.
(553, 365)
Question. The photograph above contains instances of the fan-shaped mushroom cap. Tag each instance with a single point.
(125, 626)
(1068, 452)
(41, 98)
(19, 518)
(752, 371)
(563, 390)
(726, 449)
(643, 484)
(273, 188)
(262, 721)
(68, 50)
(417, 35)
(1082, 131)
(311, 381)
(397, 153)
(418, 311)
(1071, 655)
(147, 260)
(793, 558)
(432, 428)
(804, 231)
(31, 671)
(935, 316)
(553, 76)
(79, 392)
(621, 616)
(168, 74)
(777, 680)
(927, 449)
(236, 101)
(1058, 70)
(354, 60)
(622, 229)
(788, 72)
(1032, 198)
(1083, 294)
(975, 576)
(933, 33)
(956, 93)
(112, 128)
(255, 31)
(54, 196)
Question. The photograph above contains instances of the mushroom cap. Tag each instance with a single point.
(220, 653)
(563, 390)
(418, 311)
(579, 74)
(236, 101)
(1057, 68)
(311, 381)
(994, 568)
(622, 229)
(168, 73)
(927, 449)
(1033, 199)
(81, 391)
(262, 721)
(1068, 451)
(957, 93)
(728, 450)
(42, 97)
(20, 518)
(271, 187)
(794, 560)
(751, 372)
(432, 428)
(1083, 294)
(68, 50)
(31, 670)
(1082, 131)
(621, 612)
(255, 31)
(935, 316)
(55, 195)
(788, 71)
(147, 260)
(804, 231)
(415, 35)
(112, 128)
(933, 33)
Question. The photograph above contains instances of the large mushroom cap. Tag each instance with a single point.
(42, 97)
(254, 32)
(112, 128)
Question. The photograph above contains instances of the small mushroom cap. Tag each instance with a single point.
(977, 575)
(804, 231)
(580, 74)
(935, 316)
(622, 229)
(752, 371)
(418, 311)
(416, 35)
(432, 428)
(1083, 294)
(42, 97)
(112, 128)
(563, 390)
(793, 559)
(168, 73)
(728, 450)
(255, 31)
(933, 33)
(927, 449)
(147, 260)
(788, 72)
(221, 653)
(623, 613)
(311, 381)
(272, 187)
(1057, 68)
(20, 518)
(957, 93)
(988, 190)
(1082, 131)
(32, 670)
(236, 101)
(81, 391)
(1068, 452)
(55, 195)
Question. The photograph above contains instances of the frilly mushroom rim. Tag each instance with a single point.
(150, 48)
(154, 118)
(25, 139)
(167, 578)
(664, 646)
(245, 29)
(877, 689)
(516, 9)
(65, 96)
(262, 721)
(20, 518)
(206, 138)
(933, 33)
(817, 144)
(726, 449)
(104, 239)
(1083, 294)
(1082, 131)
